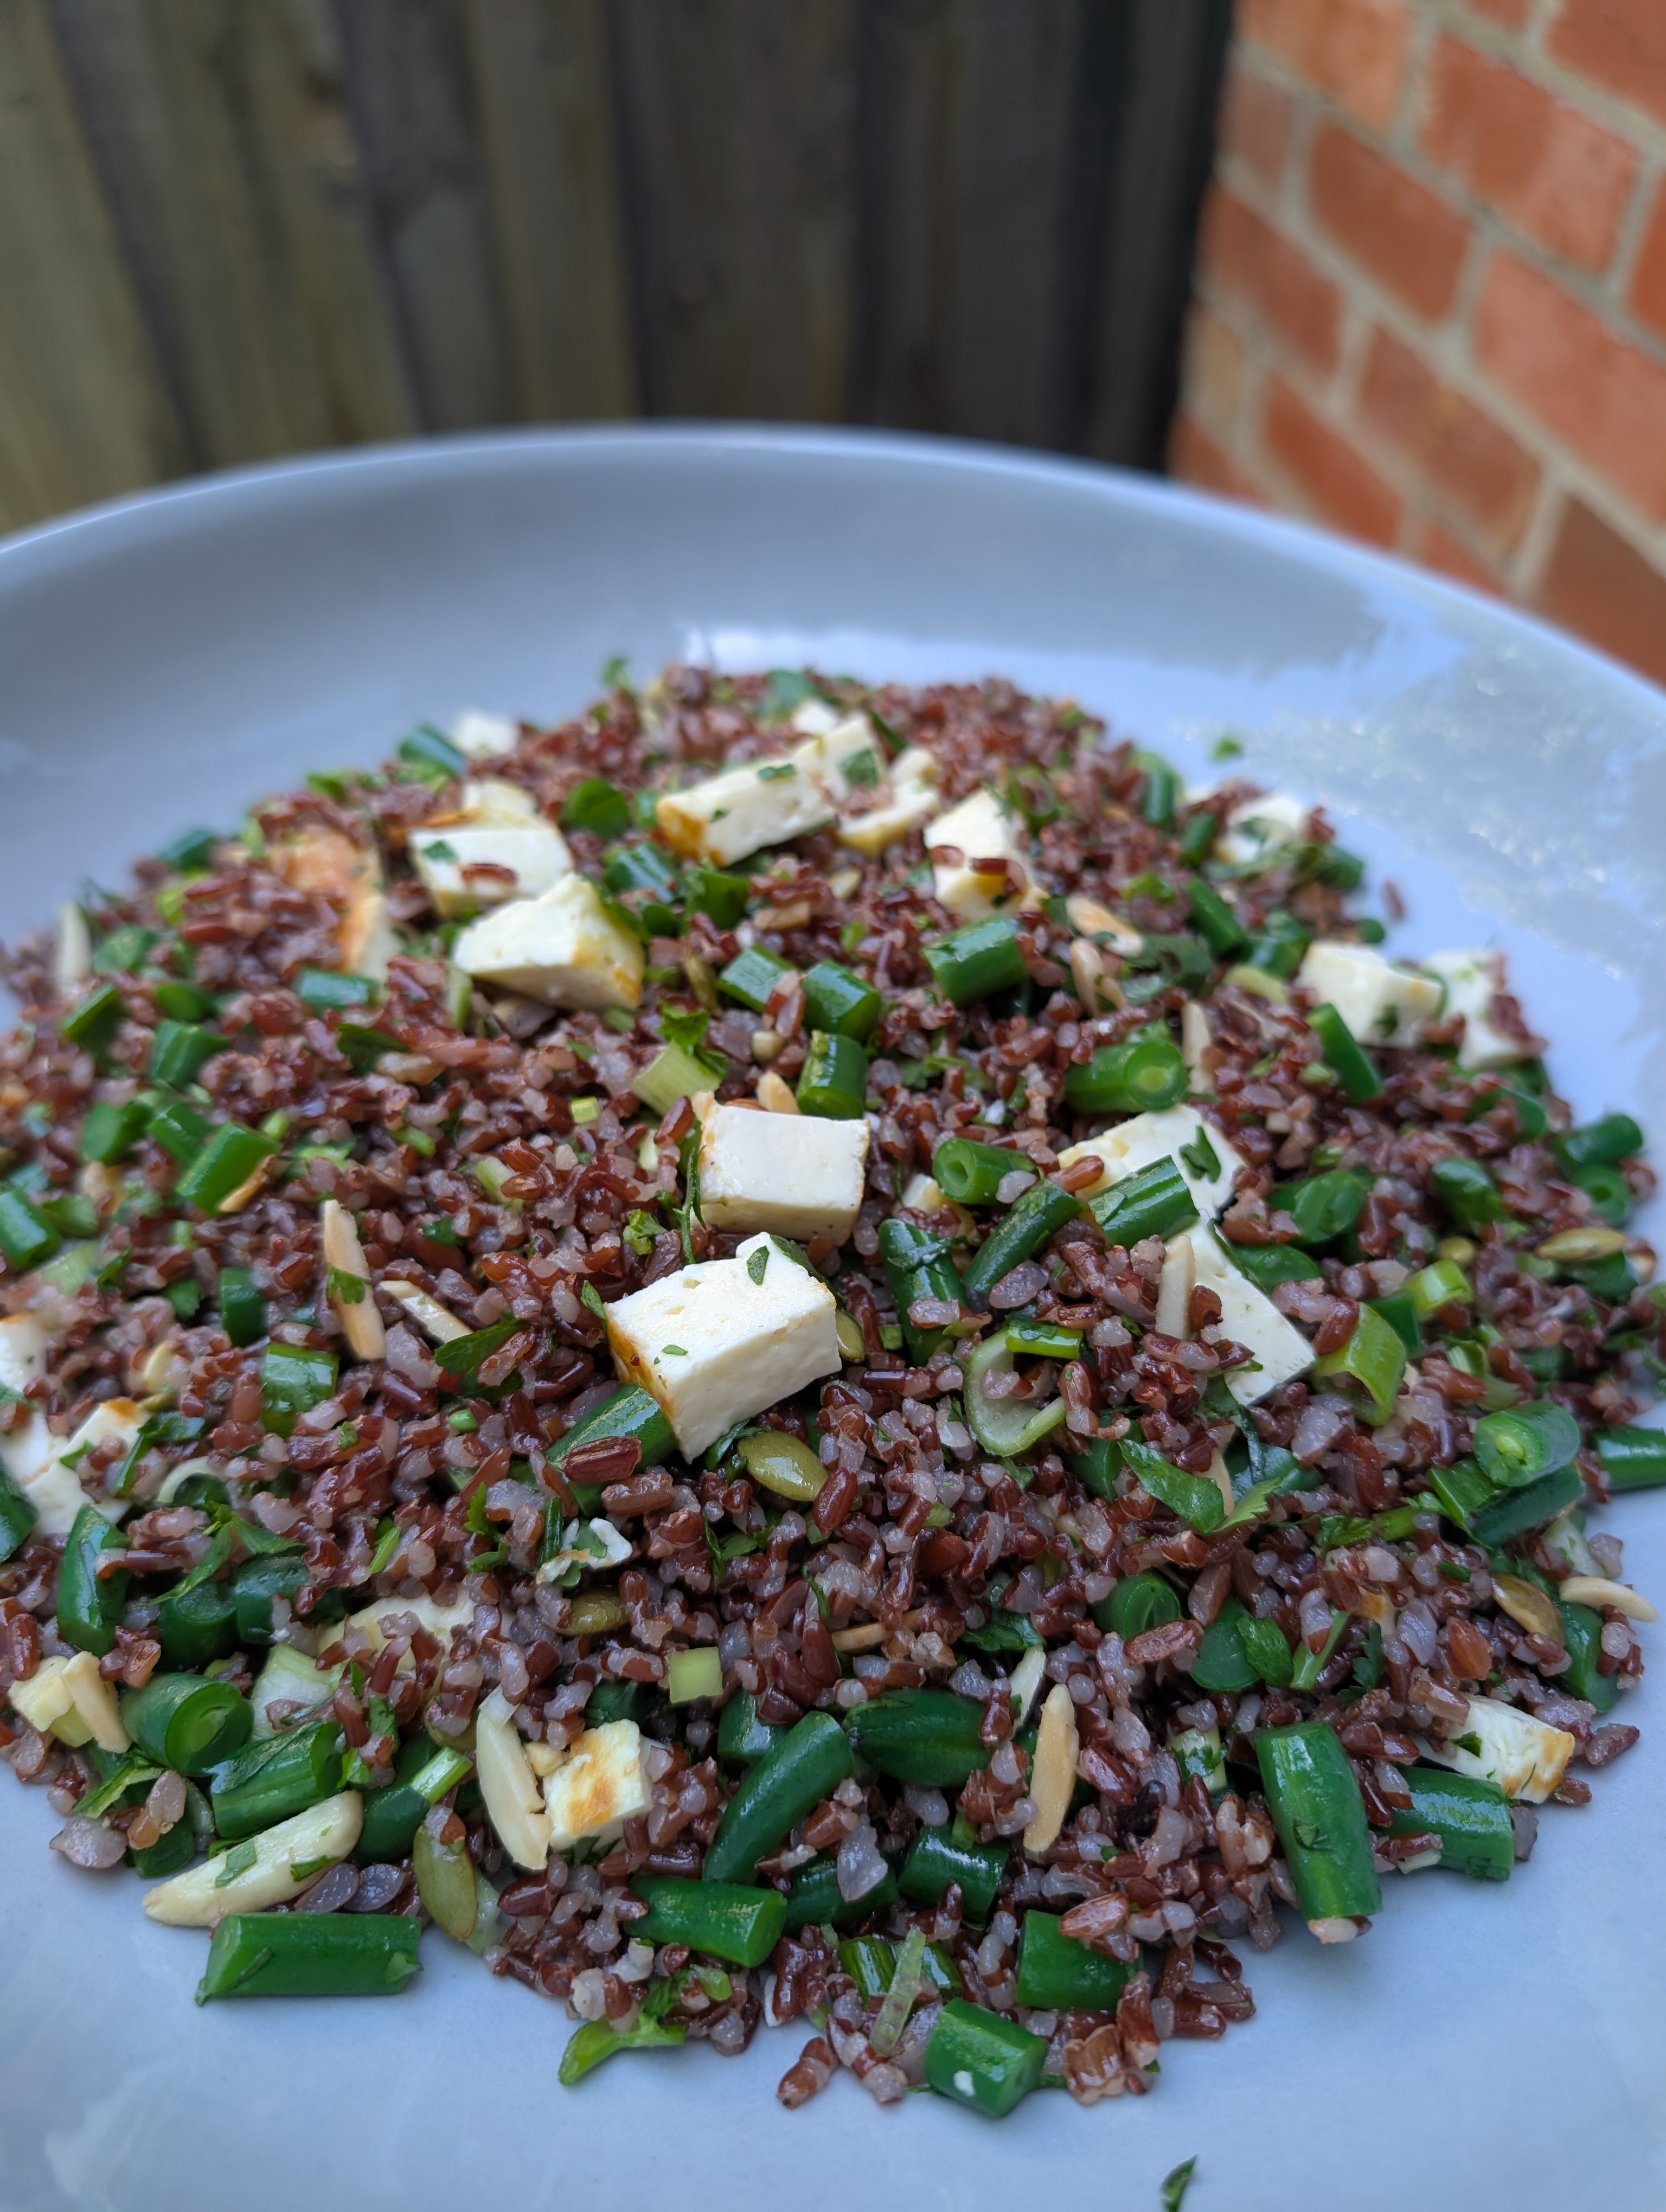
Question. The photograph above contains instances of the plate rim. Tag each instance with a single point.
(126, 522)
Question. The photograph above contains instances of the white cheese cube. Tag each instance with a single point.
(842, 757)
(204, 1894)
(909, 795)
(1148, 1138)
(51, 1484)
(1380, 1003)
(796, 1174)
(486, 801)
(980, 829)
(442, 1621)
(721, 1340)
(482, 737)
(1472, 980)
(1258, 828)
(1250, 1318)
(731, 815)
(366, 937)
(600, 1785)
(1525, 1757)
(562, 949)
(459, 866)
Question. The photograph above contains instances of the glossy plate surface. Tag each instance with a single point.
(164, 662)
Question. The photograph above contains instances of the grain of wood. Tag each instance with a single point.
(740, 135)
(1163, 139)
(83, 412)
(164, 98)
(543, 72)
(415, 105)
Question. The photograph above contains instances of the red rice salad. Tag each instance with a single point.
(804, 1354)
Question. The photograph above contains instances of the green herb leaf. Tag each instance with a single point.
(757, 1265)
(439, 850)
(465, 1354)
(590, 1297)
(239, 1860)
(347, 1289)
(1175, 2185)
(776, 771)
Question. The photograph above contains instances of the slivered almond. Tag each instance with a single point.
(437, 1322)
(235, 1200)
(1174, 1291)
(73, 963)
(1529, 1608)
(862, 1639)
(360, 1323)
(773, 1094)
(1221, 1480)
(1598, 1590)
(1089, 919)
(1196, 1040)
(1053, 1772)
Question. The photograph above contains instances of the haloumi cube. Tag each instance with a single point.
(841, 758)
(562, 949)
(486, 800)
(1472, 980)
(796, 1174)
(442, 1621)
(454, 861)
(506, 1783)
(286, 1858)
(366, 937)
(1257, 828)
(719, 1341)
(600, 1785)
(1380, 1003)
(1148, 1138)
(980, 829)
(51, 1483)
(1526, 1756)
(1250, 1318)
(767, 802)
(731, 815)
(909, 795)
(69, 1699)
(482, 737)
(23, 1352)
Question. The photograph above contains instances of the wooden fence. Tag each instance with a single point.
(236, 229)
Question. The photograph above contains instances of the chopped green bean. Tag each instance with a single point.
(310, 1955)
(808, 1764)
(834, 1080)
(1317, 1809)
(1037, 1216)
(89, 1604)
(977, 960)
(839, 1002)
(970, 1173)
(1059, 1974)
(930, 1737)
(1359, 1078)
(979, 2058)
(1142, 1074)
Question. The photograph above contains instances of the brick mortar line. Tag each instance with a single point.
(1644, 132)
(1601, 292)
(1448, 345)
(1595, 101)
(1563, 473)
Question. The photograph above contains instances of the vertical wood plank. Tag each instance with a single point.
(1177, 51)
(544, 79)
(968, 107)
(221, 134)
(739, 118)
(84, 414)
(416, 110)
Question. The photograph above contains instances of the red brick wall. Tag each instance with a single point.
(1431, 297)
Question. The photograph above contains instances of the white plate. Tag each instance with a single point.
(164, 661)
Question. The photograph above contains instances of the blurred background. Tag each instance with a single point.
(1397, 265)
